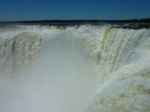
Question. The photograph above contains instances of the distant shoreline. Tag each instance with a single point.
(132, 24)
(147, 20)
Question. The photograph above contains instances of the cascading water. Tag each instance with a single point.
(71, 69)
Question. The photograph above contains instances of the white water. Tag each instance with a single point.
(86, 68)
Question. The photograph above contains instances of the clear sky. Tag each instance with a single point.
(73, 9)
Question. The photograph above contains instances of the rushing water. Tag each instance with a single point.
(74, 69)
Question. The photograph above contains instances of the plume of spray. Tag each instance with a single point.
(61, 79)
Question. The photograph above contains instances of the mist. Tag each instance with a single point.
(60, 80)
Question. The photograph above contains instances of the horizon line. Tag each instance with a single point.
(69, 20)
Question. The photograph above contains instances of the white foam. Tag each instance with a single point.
(57, 69)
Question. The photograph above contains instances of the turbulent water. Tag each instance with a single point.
(74, 69)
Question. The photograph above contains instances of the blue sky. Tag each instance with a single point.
(73, 9)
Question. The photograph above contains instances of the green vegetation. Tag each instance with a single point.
(133, 24)
(146, 20)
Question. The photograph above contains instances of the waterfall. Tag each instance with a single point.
(76, 68)
(123, 72)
